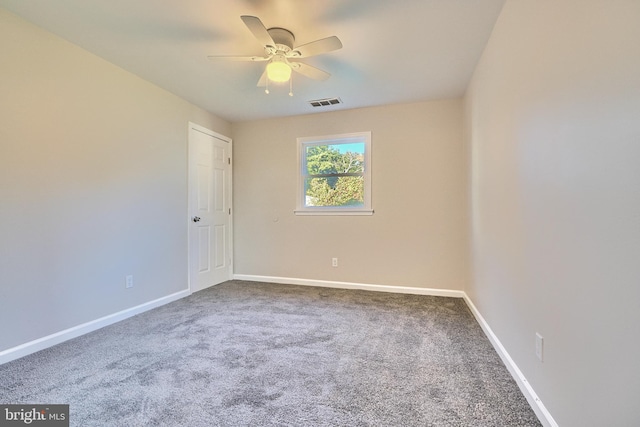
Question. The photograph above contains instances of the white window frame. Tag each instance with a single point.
(345, 138)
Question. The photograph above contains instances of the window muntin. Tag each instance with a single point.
(335, 175)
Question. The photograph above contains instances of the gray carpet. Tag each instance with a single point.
(256, 354)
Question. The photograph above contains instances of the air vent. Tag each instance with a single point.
(327, 102)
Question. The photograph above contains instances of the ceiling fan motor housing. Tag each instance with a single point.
(283, 38)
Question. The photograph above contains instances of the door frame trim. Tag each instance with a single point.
(194, 127)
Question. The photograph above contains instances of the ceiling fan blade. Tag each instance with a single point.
(317, 47)
(309, 71)
(238, 58)
(258, 29)
(263, 79)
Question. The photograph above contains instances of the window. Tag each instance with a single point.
(335, 175)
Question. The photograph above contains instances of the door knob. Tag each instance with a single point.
(196, 218)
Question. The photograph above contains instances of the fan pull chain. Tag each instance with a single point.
(266, 90)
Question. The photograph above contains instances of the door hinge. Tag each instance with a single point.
(229, 211)
(229, 158)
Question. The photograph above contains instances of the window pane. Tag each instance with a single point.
(335, 191)
(335, 158)
(335, 175)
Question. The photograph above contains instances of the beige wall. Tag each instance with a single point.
(417, 235)
(554, 128)
(93, 169)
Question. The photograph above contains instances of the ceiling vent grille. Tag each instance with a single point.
(327, 102)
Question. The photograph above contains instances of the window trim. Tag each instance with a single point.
(302, 143)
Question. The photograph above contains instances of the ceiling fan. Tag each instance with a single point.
(282, 57)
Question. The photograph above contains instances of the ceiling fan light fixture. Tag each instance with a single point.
(278, 71)
(278, 46)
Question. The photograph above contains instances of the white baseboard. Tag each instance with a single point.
(59, 337)
(350, 285)
(534, 401)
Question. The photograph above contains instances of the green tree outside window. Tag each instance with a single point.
(335, 175)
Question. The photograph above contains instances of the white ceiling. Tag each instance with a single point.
(394, 51)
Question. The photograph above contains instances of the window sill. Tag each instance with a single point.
(334, 212)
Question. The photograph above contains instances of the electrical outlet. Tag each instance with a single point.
(129, 281)
(334, 262)
(539, 346)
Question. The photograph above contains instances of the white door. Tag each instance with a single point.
(209, 208)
